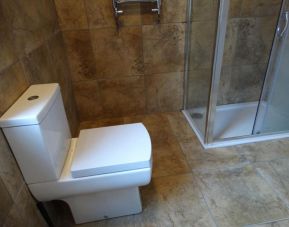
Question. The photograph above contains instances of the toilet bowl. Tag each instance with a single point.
(97, 174)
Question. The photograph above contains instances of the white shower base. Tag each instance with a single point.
(233, 125)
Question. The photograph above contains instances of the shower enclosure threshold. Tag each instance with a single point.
(233, 125)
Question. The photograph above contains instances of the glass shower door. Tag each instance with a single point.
(273, 110)
(200, 45)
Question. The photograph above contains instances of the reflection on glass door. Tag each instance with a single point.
(273, 111)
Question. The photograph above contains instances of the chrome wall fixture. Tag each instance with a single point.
(118, 11)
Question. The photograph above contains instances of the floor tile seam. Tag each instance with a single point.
(172, 175)
(275, 191)
(267, 222)
(206, 201)
(220, 169)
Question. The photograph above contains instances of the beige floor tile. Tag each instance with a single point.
(218, 158)
(265, 151)
(168, 159)
(284, 223)
(173, 201)
(126, 221)
(276, 173)
(169, 201)
(180, 127)
(239, 196)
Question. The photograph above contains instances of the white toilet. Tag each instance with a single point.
(97, 174)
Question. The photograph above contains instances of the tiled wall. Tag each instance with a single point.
(32, 51)
(250, 33)
(204, 18)
(249, 37)
(135, 69)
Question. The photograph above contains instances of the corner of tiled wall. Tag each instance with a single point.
(32, 51)
(135, 69)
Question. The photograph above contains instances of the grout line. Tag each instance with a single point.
(86, 14)
(276, 191)
(205, 200)
(113, 27)
(268, 222)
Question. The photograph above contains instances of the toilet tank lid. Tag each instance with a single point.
(31, 107)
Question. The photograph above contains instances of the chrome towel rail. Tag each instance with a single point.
(118, 11)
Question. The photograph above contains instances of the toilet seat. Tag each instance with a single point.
(111, 149)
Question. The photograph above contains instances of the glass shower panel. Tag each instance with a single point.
(200, 48)
(249, 37)
(273, 114)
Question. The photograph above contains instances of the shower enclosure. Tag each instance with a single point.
(237, 70)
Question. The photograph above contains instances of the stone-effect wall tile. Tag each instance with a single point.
(122, 97)
(241, 83)
(80, 54)
(12, 84)
(59, 60)
(6, 202)
(110, 98)
(101, 14)
(71, 14)
(249, 39)
(172, 11)
(48, 64)
(198, 87)
(260, 8)
(164, 92)
(24, 211)
(163, 47)
(204, 10)
(250, 46)
(202, 44)
(235, 8)
(87, 99)
(9, 171)
(117, 53)
(7, 53)
(31, 22)
(131, 15)
(38, 66)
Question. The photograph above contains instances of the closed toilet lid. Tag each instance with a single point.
(111, 149)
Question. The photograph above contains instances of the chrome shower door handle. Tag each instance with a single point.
(282, 32)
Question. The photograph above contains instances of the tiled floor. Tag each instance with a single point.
(244, 185)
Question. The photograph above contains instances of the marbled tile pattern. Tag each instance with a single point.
(282, 223)
(140, 45)
(249, 37)
(13, 84)
(117, 53)
(30, 22)
(80, 55)
(6, 202)
(71, 14)
(48, 64)
(164, 92)
(163, 47)
(196, 187)
(24, 211)
(32, 51)
(276, 173)
(173, 11)
(239, 196)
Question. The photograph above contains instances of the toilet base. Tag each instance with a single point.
(103, 205)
